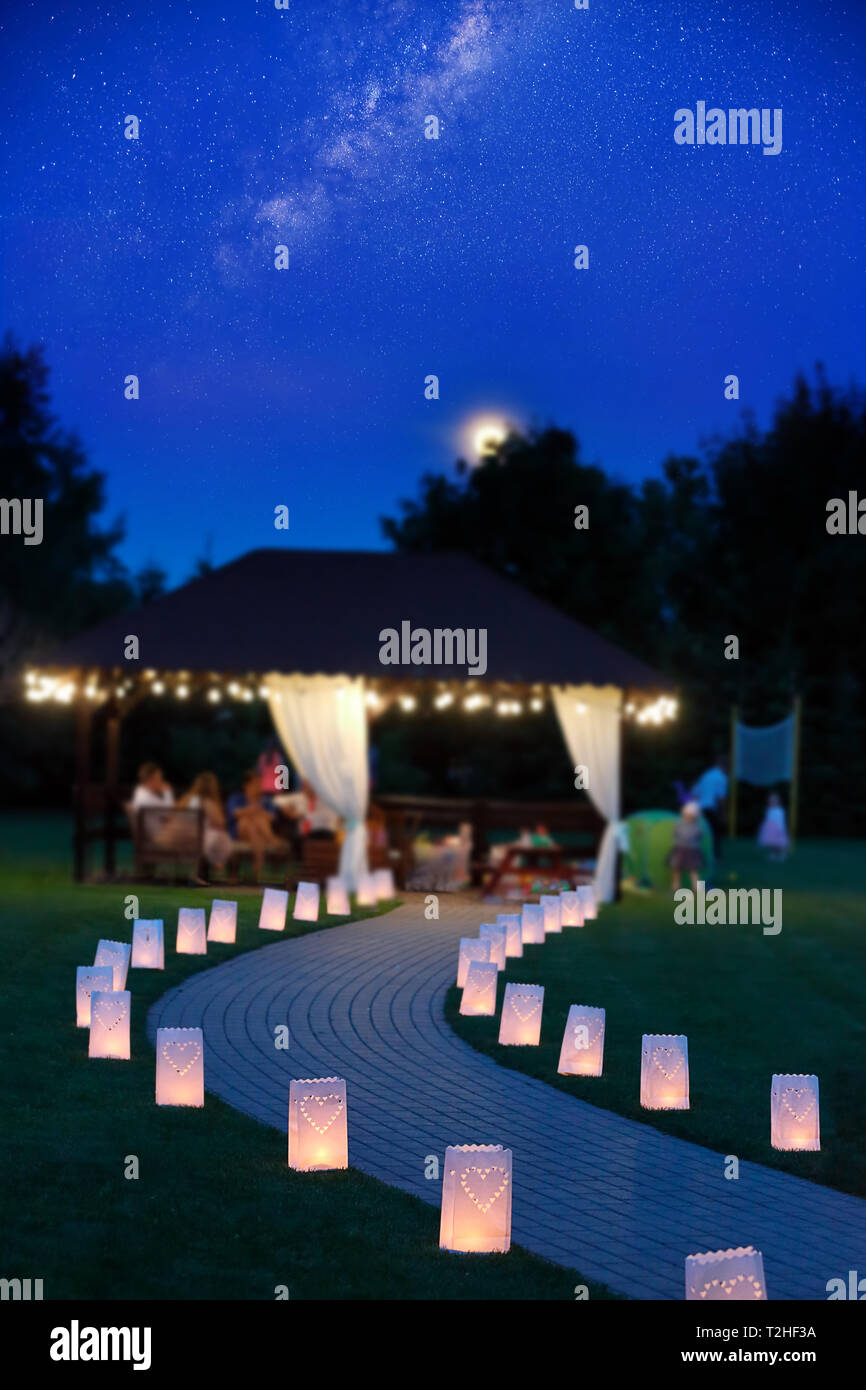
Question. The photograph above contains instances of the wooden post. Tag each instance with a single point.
(83, 721)
(617, 895)
(793, 808)
(732, 793)
(112, 759)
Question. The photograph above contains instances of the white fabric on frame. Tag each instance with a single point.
(589, 717)
(322, 722)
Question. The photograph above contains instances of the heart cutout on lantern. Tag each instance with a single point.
(669, 1052)
(484, 1186)
(532, 999)
(482, 990)
(110, 1012)
(591, 1042)
(800, 1115)
(715, 1289)
(173, 1052)
(336, 1103)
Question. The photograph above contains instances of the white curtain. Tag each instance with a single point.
(589, 717)
(322, 721)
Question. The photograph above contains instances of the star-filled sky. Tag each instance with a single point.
(410, 256)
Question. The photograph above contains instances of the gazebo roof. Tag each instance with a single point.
(322, 611)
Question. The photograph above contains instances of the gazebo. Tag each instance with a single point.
(330, 638)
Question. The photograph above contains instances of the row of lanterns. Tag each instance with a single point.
(664, 1082)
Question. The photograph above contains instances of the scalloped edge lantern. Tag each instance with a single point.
(471, 948)
(664, 1072)
(795, 1121)
(520, 1024)
(116, 954)
(552, 920)
(307, 897)
(496, 935)
(274, 909)
(180, 1066)
(570, 909)
(318, 1128)
(87, 979)
(223, 923)
(532, 924)
(109, 1024)
(582, 1051)
(513, 939)
(148, 944)
(337, 897)
(476, 1199)
(726, 1276)
(479, 992)
(191, 937)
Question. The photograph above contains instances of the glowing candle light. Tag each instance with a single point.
(307, 902)
(191, 932)
(476, 1199)
(179, 1066)
(109, 1024)
(492, 932)
(726, 1276)
(148, 944)
(532, 924)
(794, 1112)
(318, 1131)
(549, 903)
(116, 954)
(223, 924)
(87, 979)
(337, 898)
(275, 905)
(664, 1073)
(479, 992)
(513, 939)
(582, 1051)
(520, 1025)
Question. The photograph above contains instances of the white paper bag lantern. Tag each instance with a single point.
(588, 901)
(549, 902)
(148, 944)
(365, 893)
(479, 992)
(532, 924)
(476, 1199)
(337, 898)
(726, 1276)
(570, 910)
(513, 940)
(307, 902)
(223, 924)
(471, 948)
(87, 979)
(109, 1023)
(794, 1113)
(179, 1066)
(384, 881)
(116, 954)
(318, 1131)
(275, 905)
(191, 932)
(520, 1025)
(582, 1051)
(490, 931)
(664, 1072)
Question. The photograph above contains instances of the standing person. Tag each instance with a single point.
(686, 856)
(711, 793)
(773, 834)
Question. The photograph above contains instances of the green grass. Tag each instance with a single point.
(750, 1005)
(215, 1213)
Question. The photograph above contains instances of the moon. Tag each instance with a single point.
(486, 434)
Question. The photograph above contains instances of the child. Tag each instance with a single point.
(686, 853)
(773, 834)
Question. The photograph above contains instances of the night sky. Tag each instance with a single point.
(410, 256)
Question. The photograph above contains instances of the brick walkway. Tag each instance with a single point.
(592, 1191)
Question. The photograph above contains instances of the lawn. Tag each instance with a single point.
(750, 1005)
(215, 1212)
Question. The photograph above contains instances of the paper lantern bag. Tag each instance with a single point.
(275, 905)
(570, 910)
(726, 1276)
(179, 1066)
(148, 945)
(223, 922)
(109, 1024)
(513, 940)
(532, 924)
(87, 979)
(794, 1113)
(495, 935)
(479, 992)
(520, 1025)
(664, 1073)
(476, 1199)
(116, 954)
(191, 932)
(318, 1130)
(472, 948)
(307, 902)
(582, 1051)
(549, 903)
(337, 898)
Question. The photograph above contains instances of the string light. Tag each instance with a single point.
(408, 702)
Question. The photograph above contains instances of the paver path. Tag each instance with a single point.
(608, 1196)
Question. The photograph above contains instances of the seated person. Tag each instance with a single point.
(204, 795)
(252, 821)
(309, 814)
(152, 788)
